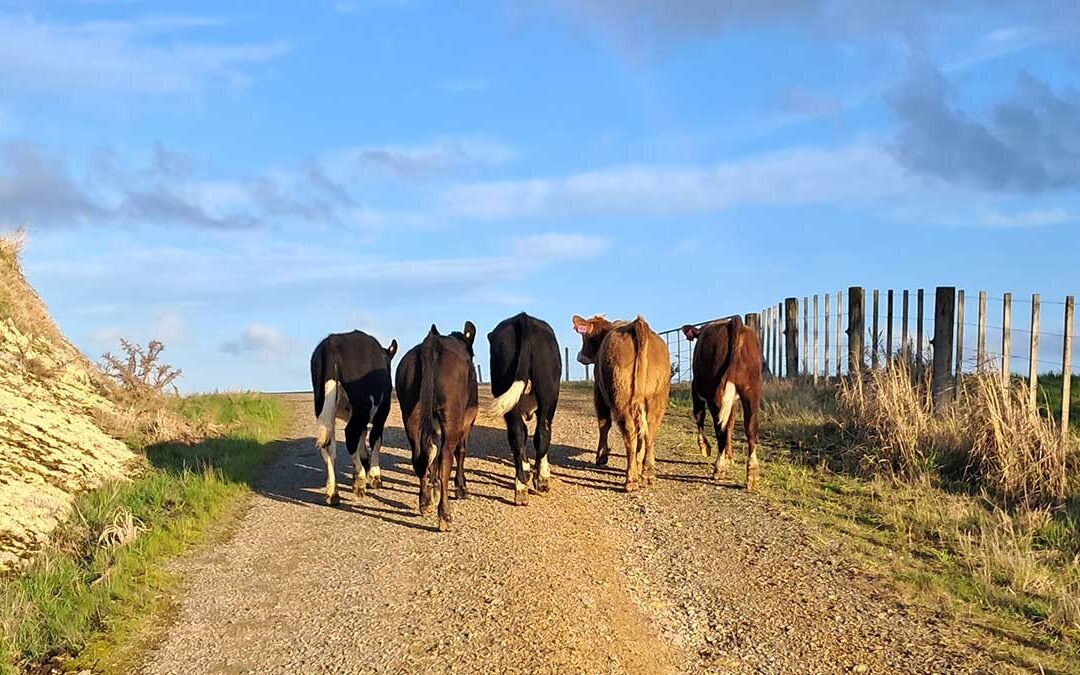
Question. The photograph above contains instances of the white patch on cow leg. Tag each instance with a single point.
(324, 434)
(526, 465)
(375, 473)
(726, 403)
(328, 454)
(359, 475)
(545, 468)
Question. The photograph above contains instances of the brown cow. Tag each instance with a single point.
(727, 366)
(633, 375)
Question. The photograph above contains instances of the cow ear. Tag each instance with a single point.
(469, 332)
(581, 325)
(691, 332)
(434, 330)
(392, 349)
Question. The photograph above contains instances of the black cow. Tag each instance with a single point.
(356, 364)
(436, 387)
(525, 372)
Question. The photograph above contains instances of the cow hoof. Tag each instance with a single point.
(647, 480)
(444, 525)
(375, 483)
(542, 485)
(601, 460)
(751, 484)
(631, 486)
(359, 490)
(425, 509)
(521, 497)
(461, 493)
(333, 500)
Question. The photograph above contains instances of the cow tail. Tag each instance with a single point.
(637, 385)
(520, 384)
(324, 371)
(735, 341)
(318, 378)
(429, 353)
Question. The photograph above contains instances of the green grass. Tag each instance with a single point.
(1012, 574)
(85, 601)
(1050, 391)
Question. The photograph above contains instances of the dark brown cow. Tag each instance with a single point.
(727, 366)
(436, 388)
(633, 375)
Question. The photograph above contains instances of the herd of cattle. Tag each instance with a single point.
(437, 390)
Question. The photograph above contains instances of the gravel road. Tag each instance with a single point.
(688, 576)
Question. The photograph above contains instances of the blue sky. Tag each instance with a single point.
(240, 180)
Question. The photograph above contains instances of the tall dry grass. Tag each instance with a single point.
(991, 435)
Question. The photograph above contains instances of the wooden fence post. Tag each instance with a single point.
(856, 328)
(839, 313)
(826, 354)
(1033, 353)
(905, 351)
(779, 341)
(874, 335)
(678, 354)
(959, 336)
(479, 375)
(919, 330)
(813, 362)
(566, 351)
(888, 327)
(805, 335)
(980, 354)
(1066, 368)
(1006, 337)
(791, 336)
(944, 307)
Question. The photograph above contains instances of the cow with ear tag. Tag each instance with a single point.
(350, 380)
(633, 376)
(437, 390)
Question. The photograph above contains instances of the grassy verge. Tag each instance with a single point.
(1013, 572)
(103, 575)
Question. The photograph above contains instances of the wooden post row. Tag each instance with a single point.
(856, 328)
(779, 317)
(942, 375)
(791, 336)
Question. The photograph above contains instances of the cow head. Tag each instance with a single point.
(391, 350)
(691, 332)
(592, 332)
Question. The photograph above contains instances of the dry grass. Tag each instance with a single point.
(991, 436)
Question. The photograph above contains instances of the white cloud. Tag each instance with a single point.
(440, 156)
(123, 56)
(261, 341)
(555, 246)
(970, 214)
(797, 176)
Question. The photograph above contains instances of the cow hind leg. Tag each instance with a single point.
(354, 441)
(699, 422)
(445, 461)
(603, 419)
(517, 433)
(460, 489)
(324, 438)
(378, 423)
(634, 453)
(722, 417)
(656, 415)
(750, 422)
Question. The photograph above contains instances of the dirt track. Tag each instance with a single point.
(688, 576)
